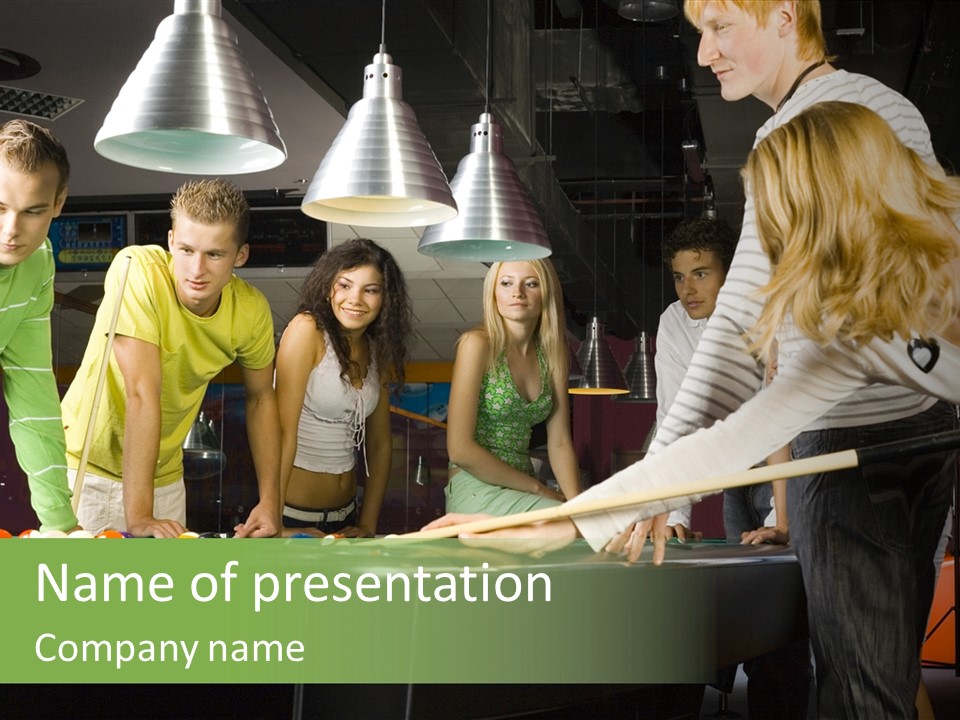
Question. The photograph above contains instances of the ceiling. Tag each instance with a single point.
(596, 112)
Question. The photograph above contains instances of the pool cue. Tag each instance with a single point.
(795, 468)
(85, 452)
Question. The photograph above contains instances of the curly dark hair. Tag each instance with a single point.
(702, 233)
(389, 333)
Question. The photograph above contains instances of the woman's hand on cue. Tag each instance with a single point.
(535, 539)
(630, 542)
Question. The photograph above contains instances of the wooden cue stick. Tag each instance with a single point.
(795, 468)
(85, 452)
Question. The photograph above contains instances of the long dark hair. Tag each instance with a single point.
(389, 333)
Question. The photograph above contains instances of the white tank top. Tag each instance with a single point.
(333, 421)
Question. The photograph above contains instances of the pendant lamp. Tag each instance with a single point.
(648, 10)
(380, 170)
(641, 374)
(192, 105)
(601, 373)
(497, 219)
(203, 454)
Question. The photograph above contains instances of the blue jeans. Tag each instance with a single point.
(865, 538)
(745, 508)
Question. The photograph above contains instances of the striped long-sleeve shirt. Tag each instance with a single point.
(723, 376)
(30, 388)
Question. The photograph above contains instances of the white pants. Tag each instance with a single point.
(101, 502)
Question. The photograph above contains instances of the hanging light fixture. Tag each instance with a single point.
(203, 454)
(601, 373)
(640, 372)
(497, 219)
(648, 10)
(380, 170)
(192, 105)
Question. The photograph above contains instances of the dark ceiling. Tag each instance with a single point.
(597, 109)
(611, 124)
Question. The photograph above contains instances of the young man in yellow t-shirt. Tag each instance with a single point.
(184, 316)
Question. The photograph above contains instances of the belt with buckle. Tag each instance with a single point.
(320, 516)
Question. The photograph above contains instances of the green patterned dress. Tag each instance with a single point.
(504, 423)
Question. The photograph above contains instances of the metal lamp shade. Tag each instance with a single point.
(640, 373)
(192, 105)
(601, 373)
(497, 219)
(202, 453)
(380, 170)
(648, 10)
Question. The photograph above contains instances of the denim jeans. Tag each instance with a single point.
(745, 508)
(865, 538)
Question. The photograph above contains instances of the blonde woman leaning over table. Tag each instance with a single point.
(884, 315)
(862, 237)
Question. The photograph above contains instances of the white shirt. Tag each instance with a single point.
(677, 338)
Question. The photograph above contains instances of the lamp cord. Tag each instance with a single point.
(662, 201)
(596, 151)
(383, 26)
(486, 98)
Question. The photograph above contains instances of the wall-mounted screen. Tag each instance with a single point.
(87, 242)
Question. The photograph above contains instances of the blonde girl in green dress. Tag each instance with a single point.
(510, 374)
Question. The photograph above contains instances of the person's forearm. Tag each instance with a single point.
(375, 485)
(140, 451)
(563, 462)
(780, 503)
(488, 467)
(263, 433)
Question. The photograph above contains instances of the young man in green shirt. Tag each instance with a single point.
(33, 186)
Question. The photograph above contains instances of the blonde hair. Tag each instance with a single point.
(551, 329)
(26, 147)
(860, 231)
(810, 41)
(212, 202)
